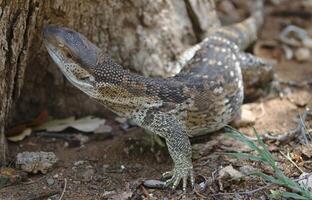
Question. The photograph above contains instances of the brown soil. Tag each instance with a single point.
(119, 165)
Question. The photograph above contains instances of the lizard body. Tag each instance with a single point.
(203, 97)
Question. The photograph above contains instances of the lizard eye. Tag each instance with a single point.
(89, 78)
(68, 55)
(84, 77)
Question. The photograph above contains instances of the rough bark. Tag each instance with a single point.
(16, 25)
(141, 35)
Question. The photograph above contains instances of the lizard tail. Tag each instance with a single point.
(252, 25)
(245, 32)
(257, 12)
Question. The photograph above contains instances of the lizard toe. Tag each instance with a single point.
(170, 181)
(167, 175)
(176, 182)
(179, 174)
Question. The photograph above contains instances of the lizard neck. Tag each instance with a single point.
(121, 91)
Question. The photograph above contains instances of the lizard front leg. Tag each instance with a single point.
(179, 146)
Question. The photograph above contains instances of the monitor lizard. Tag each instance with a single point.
(203, 97)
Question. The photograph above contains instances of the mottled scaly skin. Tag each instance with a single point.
(203, 97)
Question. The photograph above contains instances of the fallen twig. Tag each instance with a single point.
(290, 160)
(64, 189)
(200, 195)
(144, 191)
(244, 193)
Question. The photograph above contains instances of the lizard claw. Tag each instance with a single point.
(177, 174)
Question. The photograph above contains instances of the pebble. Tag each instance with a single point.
(154, 184)
(66, 144)
(229, 172)
(77, 182)
(79, 162)
(246, 117)
(88, 174)
(303, 54)
(50, 181)
(305, 180)
(247, 169)
(34, 162)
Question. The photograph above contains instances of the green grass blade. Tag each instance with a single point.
(245, 156)
(265, 156)
(239, 136)
(293, 195)
(267, 177)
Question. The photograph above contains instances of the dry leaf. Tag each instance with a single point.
(230, 172)
(17, 130)
(26, 132)
(86, 124)
(227, 175)
(103, 128)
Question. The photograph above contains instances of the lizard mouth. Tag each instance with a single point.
(71, 69)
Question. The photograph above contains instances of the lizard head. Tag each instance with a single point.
(75, 55)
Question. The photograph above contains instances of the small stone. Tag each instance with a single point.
(305, 180)
(50, 181)
(79, 162)
(303, 54)
(82, 138)
(66, 144)
(229, 172)
(107, 194)
(246, 117)
(202, 185)
(154, 184)
(56, 176)
(34, 162)
(307, 42)
(77, 182)
(88, 174)
(247, 170)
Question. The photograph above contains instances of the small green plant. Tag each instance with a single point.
(263, 155)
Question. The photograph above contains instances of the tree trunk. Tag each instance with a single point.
(142, 35)
(16, 26)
